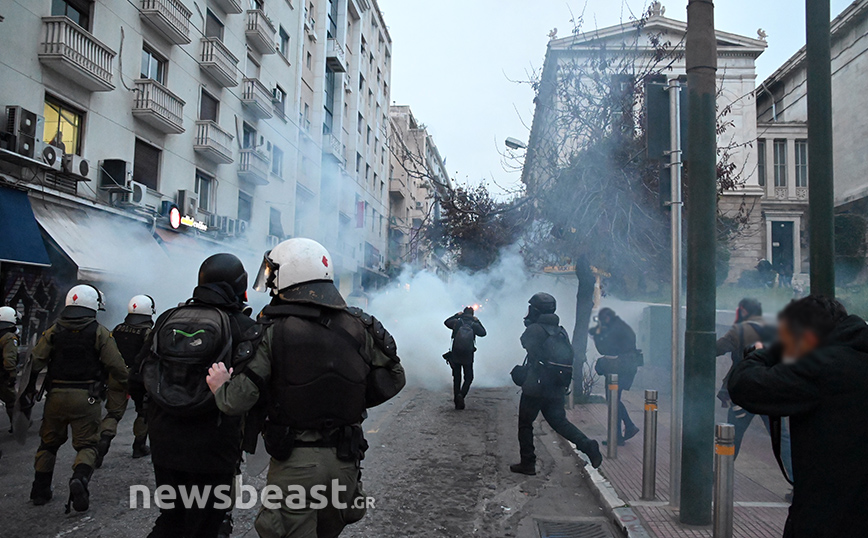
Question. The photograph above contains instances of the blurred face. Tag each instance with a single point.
(605, 319)
(796, 345)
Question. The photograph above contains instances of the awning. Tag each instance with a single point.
(22, 242)
(103, 246)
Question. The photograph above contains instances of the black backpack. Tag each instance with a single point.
(188, 340)
(559, 355)
(464, 339)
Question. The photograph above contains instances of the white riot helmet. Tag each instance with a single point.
(8, 317)
(142, 304)
(293, 262)
(85, 296)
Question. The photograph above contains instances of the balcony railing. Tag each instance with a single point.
(256, 97)
(397, 188)
(217, 61)
(170, 17)
(260, 31)
(230, 6)
(73, 52)
(334, 148)
(157, 106)
(336, 59)
(213, 142)
(253, 167)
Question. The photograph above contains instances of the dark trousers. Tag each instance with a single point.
(180, 522)
(623, 415)
(553, 412)
(457, 386)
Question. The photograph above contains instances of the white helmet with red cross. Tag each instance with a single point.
(295, 261)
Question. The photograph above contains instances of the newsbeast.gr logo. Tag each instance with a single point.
(271, 497)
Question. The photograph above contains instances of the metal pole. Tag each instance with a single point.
(821, 196)
(677, 404)
(699, 349)
(612, 441)
(724, 476)
(649, 454)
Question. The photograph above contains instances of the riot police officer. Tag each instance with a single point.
(9, 351)
(322, 365)
(79, 353)
(130, 337)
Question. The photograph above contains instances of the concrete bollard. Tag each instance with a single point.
(614, 423)
(724, 477)
(649, 454)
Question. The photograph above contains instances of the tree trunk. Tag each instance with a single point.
(584, 308)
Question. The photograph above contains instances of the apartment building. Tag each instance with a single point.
(417, 180)
(143, 135)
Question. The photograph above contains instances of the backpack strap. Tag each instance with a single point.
(319, 316)
(775, 427)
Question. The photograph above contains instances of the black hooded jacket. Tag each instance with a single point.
(539, 382)
(825, 394)
(210, 442)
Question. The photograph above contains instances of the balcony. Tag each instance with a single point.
(254, 167)
(76, 54)
(229, 6)
(157, 106)
(212, 142)
(256, 97)
(397, 189)
(170, 17)
(217, 61)
(260, 32)
(334, 148)
(336, 58)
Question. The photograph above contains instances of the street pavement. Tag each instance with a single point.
(433, 472)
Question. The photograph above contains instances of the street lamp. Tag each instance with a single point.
(515, 144)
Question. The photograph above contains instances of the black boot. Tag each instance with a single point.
(525, 467)
(79, 496)
(40, 492)
(459, 401)
(592, 450)
(140, 447)
(102, 449)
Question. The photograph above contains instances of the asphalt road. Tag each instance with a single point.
(433, 472)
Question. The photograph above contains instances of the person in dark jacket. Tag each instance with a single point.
(542, 393)
(204, 449)
(461, 356)
(818, 376)
(616, 342)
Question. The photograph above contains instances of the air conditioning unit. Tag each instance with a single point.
(135, 195)
(419, 205)
(241, 227)
(214, 222)
(115, 175)
(20, 121)
(228, 226)
(272, 241)
(50, 155)
(77, 166)
(188, 201)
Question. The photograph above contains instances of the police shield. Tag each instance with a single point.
(23, 404)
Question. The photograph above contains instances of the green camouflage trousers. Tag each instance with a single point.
(68, 409)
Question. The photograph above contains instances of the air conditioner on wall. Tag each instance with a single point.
(25, 128)
(241, 227)
(272, 241)
(188, 202)
(228, 226)
(136, 194)
(115, 175)
(77, 166)
(50, 155)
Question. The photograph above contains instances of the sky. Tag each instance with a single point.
(457, 63)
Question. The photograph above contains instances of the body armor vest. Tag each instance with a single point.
(130, 340)
(74, 357)
(318, 372)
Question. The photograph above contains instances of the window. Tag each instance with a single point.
(369, 136)
(801, 163)
(761, 161)
(306, 117)
(367, 171)
(153, 66)
(146, 165)
(275, 225)
(361, 123)
(256, 4)
(358, 163)
(63, 126)
(248, 139)
(284, 43)
(277, 161)
(209, 107)
(253, 69)
(213, 26)
(329, 101)
(780, 163)
(279, 101)
(309, 60)
(77, 10)
(245, 206)
(332, 31)
(205, 190)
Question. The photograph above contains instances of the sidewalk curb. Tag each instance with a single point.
(615, 508)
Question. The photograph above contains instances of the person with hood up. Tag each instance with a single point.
(542, 391)
(130, 337)
(465, 328)
(817, 375)
(79, 353)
